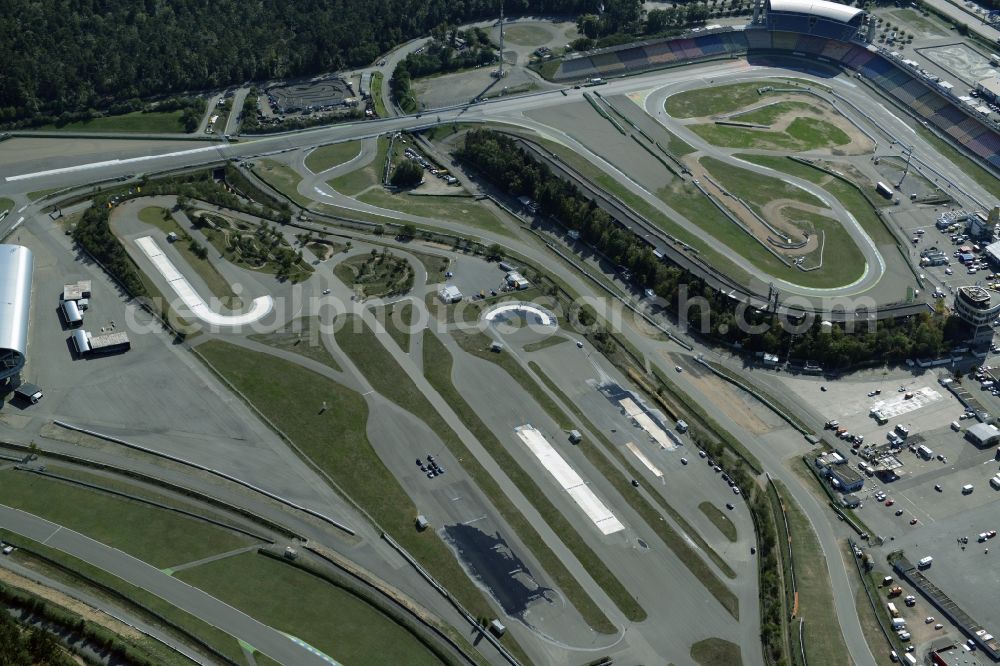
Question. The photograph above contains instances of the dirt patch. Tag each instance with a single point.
(742, 408)
(73, 605)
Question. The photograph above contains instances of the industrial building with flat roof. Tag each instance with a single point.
(15, 307)
(983, 435)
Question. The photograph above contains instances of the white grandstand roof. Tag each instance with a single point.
(830, 10)
(15, 294)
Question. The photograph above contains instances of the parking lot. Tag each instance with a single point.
(928, 490)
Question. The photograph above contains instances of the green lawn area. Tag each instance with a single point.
(6, 204)
(462, 209)
(336, 441)
(766, 115)
(137, 121)
(438, 364)
(301, 336)
(329, 156)
(156, 536)
(918, 22)
(35, 196)
(214, 280)
(376, 274)
(719, 519)
(717, 652)
(823, 639)
(550, 341)
(715, 100)
(802, 134)
(323, 615)
(354, 183)
(282, 178)
(378, 101)
(402, 313)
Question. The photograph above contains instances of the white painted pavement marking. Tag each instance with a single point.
(21, 209)
(260, 307)
(644, 460)
(899, 405)
(106, 163)
(646, 423)
(570, 481)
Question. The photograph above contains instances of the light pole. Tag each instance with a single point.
(906, 169)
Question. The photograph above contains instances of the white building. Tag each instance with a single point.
(449, 293)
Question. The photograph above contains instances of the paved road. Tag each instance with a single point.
(958, 12)
(236, 623)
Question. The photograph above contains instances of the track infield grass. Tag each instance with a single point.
(323, 615)
(331, 155)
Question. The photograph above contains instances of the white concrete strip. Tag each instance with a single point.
(899, 405)
(631, 409)
(107, 163)
(21, 209)
(644, 460)
(570, 481)
(544, 317)
(260, 307)
(655, 431)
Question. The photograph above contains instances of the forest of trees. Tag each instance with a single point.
(498, 157)
(67, 56)
(34, 647)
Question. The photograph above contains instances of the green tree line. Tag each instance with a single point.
(498, 157)
(69, 56)
(449, 51)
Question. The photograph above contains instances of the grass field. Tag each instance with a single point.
(321, 614)
(354, 183)
(766, 115)
(336, 441)
(550, 341)
(156, 536)
(402, 313)
(35, 196)
(719, 519)
(216, 283)
(823, 639)
(282, 178)
(137, 121)
(716, 652)
(301, 336)
(6, 204)
(754, 188)
(377, 99)
(802, 134)
(329, 156)
(715, 100)
(438, 364)
(464, 210)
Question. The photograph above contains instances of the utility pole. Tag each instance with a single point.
(906, 170)
(500, 71)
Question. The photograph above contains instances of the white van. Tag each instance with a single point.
(925, 562)
(995, 482)
(967, 489)
(956, 426)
